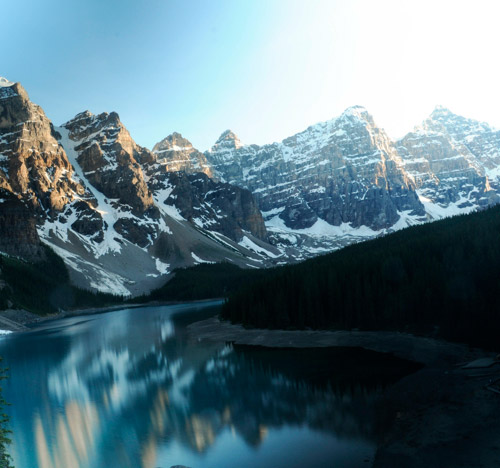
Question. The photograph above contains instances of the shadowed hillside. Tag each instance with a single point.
(203, 282)
(440, 278)
(44, 287)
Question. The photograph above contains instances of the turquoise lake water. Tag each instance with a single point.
(129, 389)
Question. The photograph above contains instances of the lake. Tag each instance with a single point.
(130, 389)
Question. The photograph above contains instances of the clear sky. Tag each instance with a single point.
(264, 68)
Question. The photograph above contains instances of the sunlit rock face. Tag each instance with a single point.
(36, 178)
(32, 163)
(108, 158)
(177, 154)
(111, 208)
(345, 170)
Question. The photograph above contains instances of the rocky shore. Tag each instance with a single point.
(16, 320)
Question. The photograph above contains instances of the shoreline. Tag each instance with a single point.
(425, 350)
(19, 320)
(443, 415)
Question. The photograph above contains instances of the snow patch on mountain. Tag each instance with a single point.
(4, 82)
(163, 268)
(99, 278)
(112, 240)
(198, 259)
(250, 245)
(436, 211)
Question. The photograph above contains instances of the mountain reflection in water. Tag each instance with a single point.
(128, 389)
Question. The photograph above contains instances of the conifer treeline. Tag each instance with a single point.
(203, 281)
(44, 287)
(439, 277)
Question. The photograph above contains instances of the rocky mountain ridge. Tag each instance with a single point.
(124, 217)
(345, 180)
(177, 154)
(109, 207)
(343, 171)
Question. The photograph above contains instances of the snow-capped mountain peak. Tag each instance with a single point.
(4, 82)
(173, 142)
(357, 111)
(122, 216)
(439, 109)
(176, 153)
(228, 139)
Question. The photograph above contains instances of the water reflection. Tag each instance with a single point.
(127, 389)
(74, 432)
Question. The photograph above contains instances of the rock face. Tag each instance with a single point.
(109, 158)
(32, 164)
(223, 207)
(479, 138)
(18, 234)
(109, 207)
(204, 201)
(447, 173)
(177, 154)
(36, 180)
(345, 180)
(343, 171)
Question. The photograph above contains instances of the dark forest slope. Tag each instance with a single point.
(439, 277)
(204, 281)
(44, 287)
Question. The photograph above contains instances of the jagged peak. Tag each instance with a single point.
(112, 117)
(5, 83)
(358, 112)
(228, 138)
(8, 89)
(85, 114)
(440, 111)
(438, 123)
(79, 119)
(227, 135)
(106, 116)
(356, 109)
(88, 118)
(175, 141)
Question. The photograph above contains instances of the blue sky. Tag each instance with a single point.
(265, 69)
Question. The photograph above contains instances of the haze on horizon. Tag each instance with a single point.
(264, 68)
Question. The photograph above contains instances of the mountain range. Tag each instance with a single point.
(123, 217)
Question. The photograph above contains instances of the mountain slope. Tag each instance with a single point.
(27, 285)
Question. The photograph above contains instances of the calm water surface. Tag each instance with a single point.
(127, 389)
